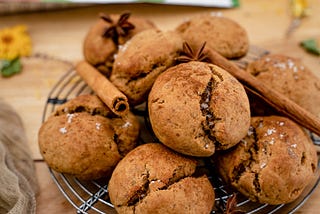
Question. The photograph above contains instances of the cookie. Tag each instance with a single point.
(84, 139)
(272, 164)
(154, 179)
(140, 61)
(221, 34)
(99, 48)
(196, 108)
(290, 77)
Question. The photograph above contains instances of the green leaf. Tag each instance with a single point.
(311, 46)
(10, 67)
(236, 3)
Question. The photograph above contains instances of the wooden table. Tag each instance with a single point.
(59, 34)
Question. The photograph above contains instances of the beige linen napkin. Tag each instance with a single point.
(18, 183)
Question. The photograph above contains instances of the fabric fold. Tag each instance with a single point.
(18, 182)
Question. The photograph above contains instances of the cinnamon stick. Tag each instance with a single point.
(274, 98)
(105, 90)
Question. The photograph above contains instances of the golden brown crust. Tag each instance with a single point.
(221, 34)
(273, 163)
(99, 51)
(141, 60)
(195, 108)
(290, 77)
(152, 178)
(83, 139)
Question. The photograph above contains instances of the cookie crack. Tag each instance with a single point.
(247, 163)
(210, 118)
(154, 68)
(92, 111)
(116, 140)
(177, 175)
(142, 191)
(256, 183)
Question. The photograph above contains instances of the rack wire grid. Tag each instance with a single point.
(92, 196)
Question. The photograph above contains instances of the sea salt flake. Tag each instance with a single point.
(124, 47)
(281, 123)
(271, 142)
(244, 142)
(126, 125)
(280, 65)
(153, 181)
(70, 116)
(263, 165)
(281, 136)
(98, 125)
(204, 105)
(210, 123)
(292, 153)
(250, 131)
(63, 130)
(294, 145)
(271, 131)
(290, 64)
(206, 146)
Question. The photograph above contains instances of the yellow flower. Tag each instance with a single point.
(14, 42)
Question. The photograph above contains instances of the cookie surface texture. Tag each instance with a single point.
(83, 138)
(99, 50)
(196, 108)
(273, 163)
(290, 77)
(154, 179)
(141, 60)
(221, 34)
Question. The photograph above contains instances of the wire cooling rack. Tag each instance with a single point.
(92, 196)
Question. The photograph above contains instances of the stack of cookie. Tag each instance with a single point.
(196, 110)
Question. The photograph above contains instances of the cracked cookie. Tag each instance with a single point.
(140, 61)
(108, 34)
(221, 34)
(272, 164)
(290, 77)
(85, 139)
(154, 179)
(196, 108)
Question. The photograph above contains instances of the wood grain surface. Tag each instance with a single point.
(57, 38)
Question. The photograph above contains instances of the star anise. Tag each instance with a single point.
(231, 207)
(188, 54)
(117, 29)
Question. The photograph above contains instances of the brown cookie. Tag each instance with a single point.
(154, 179)
(196, 108)
(140, 61)
(221, 34)
(83, 138)
(273, 163)
(290, 77)
(99, 49)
